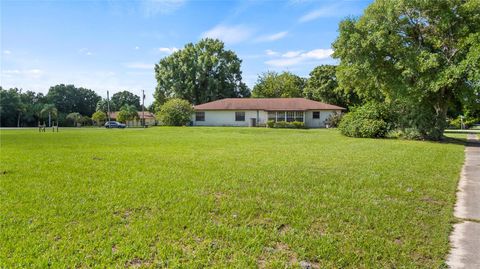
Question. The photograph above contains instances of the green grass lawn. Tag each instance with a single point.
(223, 197)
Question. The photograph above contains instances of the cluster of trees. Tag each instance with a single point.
(119, 100)
(420, 57)
(66, 105)
(321, 85)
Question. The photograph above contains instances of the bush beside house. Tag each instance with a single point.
(370, 120)
(175, 112)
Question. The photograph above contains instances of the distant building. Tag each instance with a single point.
(149, 119)
(257, 111)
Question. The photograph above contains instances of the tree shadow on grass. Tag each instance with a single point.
(460, 141)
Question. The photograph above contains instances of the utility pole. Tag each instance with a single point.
(108, 109)
(143, 108)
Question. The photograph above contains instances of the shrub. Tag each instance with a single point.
(293, 125)
(99, 117)
(369, 120)
(298, 125)
(468, 122)
(333, 120)
(270, 123)
(176, 112)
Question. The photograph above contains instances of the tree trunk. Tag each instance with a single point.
(440, 119)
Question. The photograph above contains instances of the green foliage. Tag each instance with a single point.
(68, 98)
(322, 85)
(424, 53)
(121, 99)
(127, 113)
(270, 123)
(333, 120)
(200, 73)
(176, 112)
(102, 105)
(99, 118)
(274, 85)
(85, 121)
(19, 108)
(291, 125)
(370, 120)
(10, 107)
(467, 121)
(75, 117)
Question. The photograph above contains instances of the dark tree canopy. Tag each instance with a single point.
(421, 53)
(10, 106)
(322, 85)
(68, 98)
(274, 85)
(200, 73)
(124, 98)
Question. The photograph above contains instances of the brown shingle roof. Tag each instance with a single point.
(269, 104)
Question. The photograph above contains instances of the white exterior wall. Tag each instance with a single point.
(227, 118)
(310, 122)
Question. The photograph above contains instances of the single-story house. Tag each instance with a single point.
(257, 111)
(149, 119)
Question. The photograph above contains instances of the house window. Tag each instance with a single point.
(199, 116)
(290, 116)
(239, 116)
(272, 115)
(316, 115)
(280, 116)
(299, 116)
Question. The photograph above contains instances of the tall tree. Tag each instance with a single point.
(421, 53)
(33, 103)
(124, 98)
(127, 113)
(50, 112)
(200, 73)
(274, 85)
(11, 107)
(75, 117)
(322, 85)
(68, 98)
(99, 117)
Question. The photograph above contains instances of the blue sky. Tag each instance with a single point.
(113, 45)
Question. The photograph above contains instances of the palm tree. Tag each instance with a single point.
(75, 116)
(51, 110)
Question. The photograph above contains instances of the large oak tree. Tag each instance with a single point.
(200, 73)
(420, 53)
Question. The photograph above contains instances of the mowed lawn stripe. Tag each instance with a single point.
(223, 197)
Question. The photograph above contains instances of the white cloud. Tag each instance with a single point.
(153, 7)
(168, 50)
(137, 65)
(7, 52)
(291, 58)
(271, 52)
(26, 73)
(291, 54)
(229, 34)
(323, 12)
(136, 48)
(272, 37)
(319, 54)
(85, 51)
